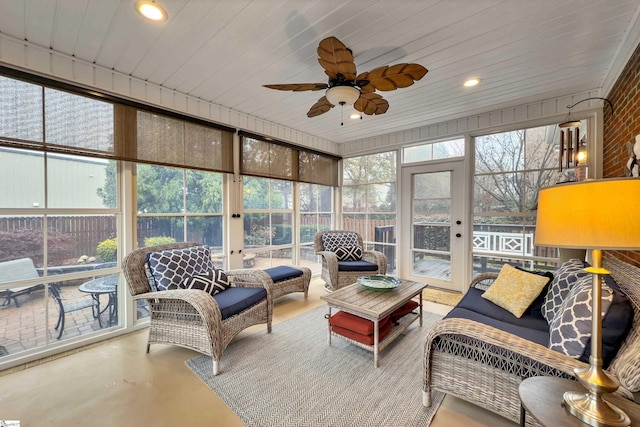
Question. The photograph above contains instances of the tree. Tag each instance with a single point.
(165, 190)
(511, 167)
(367, 183)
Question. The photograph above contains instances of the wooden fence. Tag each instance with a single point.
(85, 231)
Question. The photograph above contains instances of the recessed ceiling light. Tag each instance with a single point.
(151, 10)
(471, 82)
(355, 116)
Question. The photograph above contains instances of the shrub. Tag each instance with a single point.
(161, 240)
(107, 249)
(29, 244)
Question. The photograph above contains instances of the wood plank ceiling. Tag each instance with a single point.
(223, 51)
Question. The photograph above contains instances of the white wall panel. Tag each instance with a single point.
(37, 59)
(13, 52)
(104, 79)
(138, 89)
(153, 94)
(83, 73)
(121, 85)
(180, 102)
(61, 68)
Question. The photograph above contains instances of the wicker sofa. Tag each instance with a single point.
(192, 318)
(484, 364)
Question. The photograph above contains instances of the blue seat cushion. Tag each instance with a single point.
(235, 300)
(283, 272)
(473, 301)
(533, 335)
(357, 266)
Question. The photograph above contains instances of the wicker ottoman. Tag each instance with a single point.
(288, 279)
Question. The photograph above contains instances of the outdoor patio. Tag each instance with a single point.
(31, 325)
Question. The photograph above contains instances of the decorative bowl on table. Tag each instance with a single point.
(379, 282)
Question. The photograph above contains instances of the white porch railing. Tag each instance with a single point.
(502, 243)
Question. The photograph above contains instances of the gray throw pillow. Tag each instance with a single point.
(570, 329)
(563, 279)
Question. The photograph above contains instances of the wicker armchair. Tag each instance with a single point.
(485, 365)
(191, 318)
(337, 274)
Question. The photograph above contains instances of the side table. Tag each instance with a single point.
(542, 399)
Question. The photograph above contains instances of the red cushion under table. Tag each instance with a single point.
(358, 328)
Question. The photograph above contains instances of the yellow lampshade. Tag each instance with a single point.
(592, 214)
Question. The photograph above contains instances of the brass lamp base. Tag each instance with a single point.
(591, 409)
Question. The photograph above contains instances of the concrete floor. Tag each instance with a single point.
(117, 384)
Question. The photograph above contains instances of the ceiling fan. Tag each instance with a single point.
(346, 88)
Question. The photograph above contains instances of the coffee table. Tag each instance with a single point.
(375, 305)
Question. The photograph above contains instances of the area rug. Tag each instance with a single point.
(292, 377)
(441, 296)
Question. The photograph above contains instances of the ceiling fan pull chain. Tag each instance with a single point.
(342, 114)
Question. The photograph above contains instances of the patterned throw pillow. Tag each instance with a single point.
(570, 330)
(344, 245)
(515, 290)
(174, 265)
(213, 281)
(563, 279)
(348, 253)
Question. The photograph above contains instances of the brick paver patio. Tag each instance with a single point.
(28, 326)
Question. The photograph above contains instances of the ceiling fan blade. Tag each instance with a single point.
(298, 87)
(320, 107)
(371, 103)
(392, 77)
(336, 59)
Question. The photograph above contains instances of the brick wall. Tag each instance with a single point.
(622, 127)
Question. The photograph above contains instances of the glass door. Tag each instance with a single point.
(433, 224)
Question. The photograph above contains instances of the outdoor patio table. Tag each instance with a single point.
(104, 285)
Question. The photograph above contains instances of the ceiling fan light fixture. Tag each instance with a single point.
(151, 10)
(342, 95)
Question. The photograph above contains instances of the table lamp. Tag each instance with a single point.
(595, 215)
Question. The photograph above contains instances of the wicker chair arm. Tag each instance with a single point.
(329, 266)
(201, 301)
(328, 256)
(377, 258)
(500, 339)
(250, 278)
(482, 277)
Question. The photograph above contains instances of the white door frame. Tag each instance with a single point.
(459, 245)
